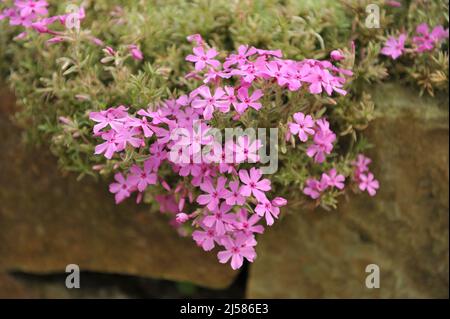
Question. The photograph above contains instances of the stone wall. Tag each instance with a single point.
(404, 229)
(48, 221)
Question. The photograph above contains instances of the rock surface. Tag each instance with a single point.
(48, 221)
(404, 230)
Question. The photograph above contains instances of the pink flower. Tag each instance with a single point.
(237, 250)
(158, 153)
(241, 57)
(213, 195)
(196, 38)
(142, 177)
(323, 142)
(303, 126)
(279, 202)
(361, 164)
(18, 19)
(122, 188)
(394, 47)
(248, 72)
(213, 76)
(143, 124)
(233, 196)
(206, 238)
(135, 52)
(114, 117)
(369, 183)
(253, 184)
(230, 97)
(426, 41)
(247, 101)
(109, 51)
(201, 58)
(109, 147)
(265, 208)
(129, 136)
(313, 188)
(337, 55)
(333, 179)
(181, 218)
(393, 3)
(219, 219)
(210, 102)
(55, 40)
(247, 150)
(248, 225)
(31, 7)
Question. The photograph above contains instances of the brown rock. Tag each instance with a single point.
(404, 229)
(48, 221)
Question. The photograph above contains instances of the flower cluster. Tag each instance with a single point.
(320, 132)
(363, 176)
(33, 14)
(314, 187)
(221, 191)
(422, 41)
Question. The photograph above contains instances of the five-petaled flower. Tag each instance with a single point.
(202, 58)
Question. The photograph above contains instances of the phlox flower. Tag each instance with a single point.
(369, 183)
(181, 218)
(246, 224)
(337, 55)
(31, 7)
(25, 21)
(142, 123)
(213, 75)
(135, 52)
(209, 101)
(129, 136)
(196, 38)
(213, 194)
(233, 195)
(313, 188)
(219, 219)
(321, 79)
(247, 101)
(333, 179)
(114, 117)
(142, 177)
(246, 149)
(361, 164)
(302, 127)
(205, 238)
(247, 72)
(110, 146)
(322, 143)
(202, 58)
(253, 185)
(267, 210)
(122, 188)
(426, 40)
(236, 250)
(207, 172)
(241, 57)
(190, 169)
(158, 154)
(394, 47)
